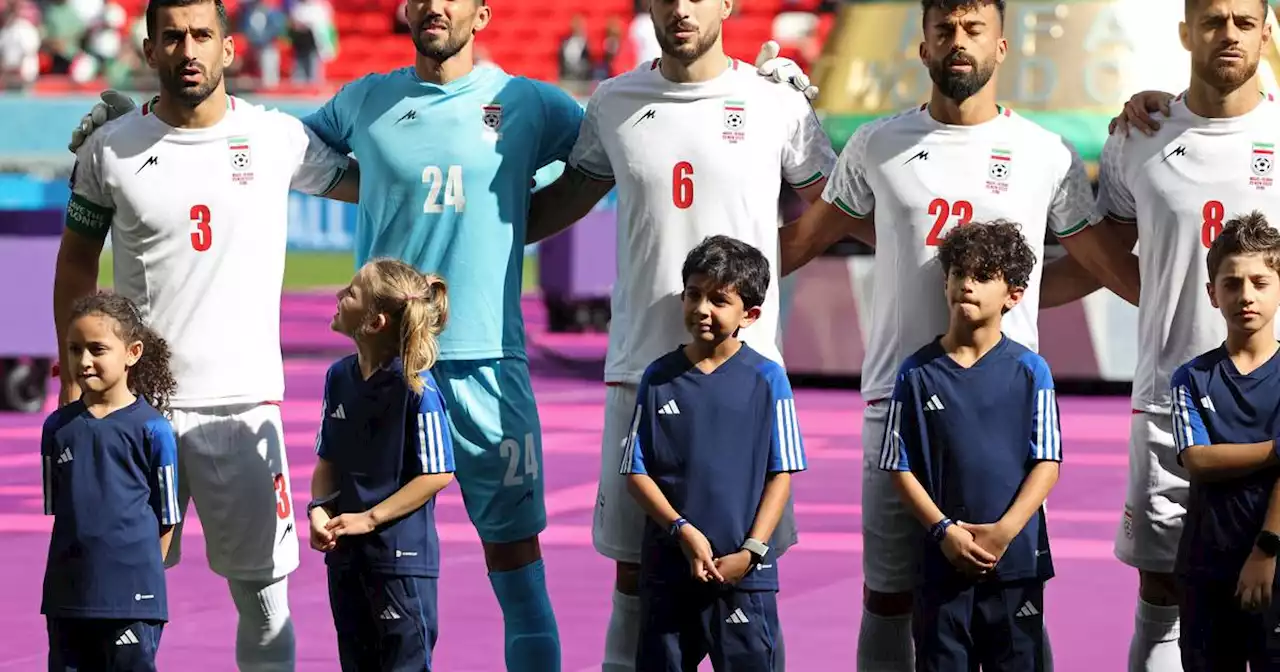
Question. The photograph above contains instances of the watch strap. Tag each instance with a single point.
(755, 547)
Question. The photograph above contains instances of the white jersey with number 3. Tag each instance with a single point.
(198, 220)
(1180, 185)
(691, 161)
(922, 178)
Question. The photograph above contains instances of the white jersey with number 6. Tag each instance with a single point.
(1180, 185)
(922, 178)
(198, 220)
(691, 161)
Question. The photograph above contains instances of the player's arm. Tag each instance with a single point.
(320, 169)
(588, 174)
(843, 210)
(1207, 461)
(162, 445)
(88, 221)
(641, 486)
(1045, 454)
(1106, 248)
(1067, 279)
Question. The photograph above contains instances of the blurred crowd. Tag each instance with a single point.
(86, 40)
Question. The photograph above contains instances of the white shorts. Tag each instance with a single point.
(231, 462)
(618, 527)
(1156, 501)
(891, 537)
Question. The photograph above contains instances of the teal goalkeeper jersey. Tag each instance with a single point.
(446, 174)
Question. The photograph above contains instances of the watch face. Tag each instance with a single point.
(1269, 543)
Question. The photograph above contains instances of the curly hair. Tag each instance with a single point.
(150, 377)
(989, 251)
(418, 307)
(1246, 234)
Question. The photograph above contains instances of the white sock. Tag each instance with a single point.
(1154, 647)
(623, 636)
(884, 644)
(264, 636)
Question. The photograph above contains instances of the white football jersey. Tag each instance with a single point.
(198, 220)
(692, 160)
(1180, 185)
(922, 178)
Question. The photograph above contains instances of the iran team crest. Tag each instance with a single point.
(241, 159)
(492, 116)
(735, 119)
(1261, 162)
(998, 170)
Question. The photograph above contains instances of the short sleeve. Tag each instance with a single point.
(848, 188)
(48, 454)
(322, 445)
(91, 207)
(319, 167)
(1188, 423)
(589, 155)
(562, 117)
(431, 446)
(1115, 199)
(641, 433)
(335, 120)
(786, 447)
(903, 432)
(1046, 431)
(162, 446)
(1072, 203)
(807, 156)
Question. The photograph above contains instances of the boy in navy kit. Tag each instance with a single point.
(384, 452)
(709, 457)
(974, 443)
(111, 484)
(1226, 417)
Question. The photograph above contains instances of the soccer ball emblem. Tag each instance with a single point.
(999, 170)
(492, 118)
(1261, 164)
(240, 160)
(734, 120)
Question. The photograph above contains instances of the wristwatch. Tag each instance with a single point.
(758, 549)
(676, 525)
(939, 530)
(1268, 543)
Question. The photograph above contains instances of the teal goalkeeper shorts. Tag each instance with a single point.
(497, 445)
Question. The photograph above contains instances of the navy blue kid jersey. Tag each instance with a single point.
(971, 436)
(379, 435)
(709, 440)
(110, 484)
(1213, 403)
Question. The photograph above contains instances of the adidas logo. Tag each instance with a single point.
(669, 408)
(1207, 403)
(127, 638)
(934, 404)
(65, 457)
(1028, 610)
(737, 617)
(338, 413)
(389, 614)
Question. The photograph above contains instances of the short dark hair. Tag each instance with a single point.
(1191, 5)
(729, 262)
(988, 251)
(1246, 234)
(154, 6)
(949, 6)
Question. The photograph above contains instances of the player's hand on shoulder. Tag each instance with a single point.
(1137, 113)
(783, 70)
(1255, 584)
(349, 524)
(734, 566)
(964, 553)
(321, 538)
(112, 106)
(698, 550)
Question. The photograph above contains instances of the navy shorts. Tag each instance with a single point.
(1218, 635)
(995, 626)
(682, 625)
(83, 644)
(384, 623)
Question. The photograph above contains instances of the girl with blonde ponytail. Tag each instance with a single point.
(384, 452)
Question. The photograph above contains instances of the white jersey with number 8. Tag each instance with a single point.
(922, 178)
(198, 220)
(1180, 186)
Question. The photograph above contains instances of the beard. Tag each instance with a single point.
(1226, 77)
(686, 52)
(191, 96)
(439, 50)
(959, 86)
